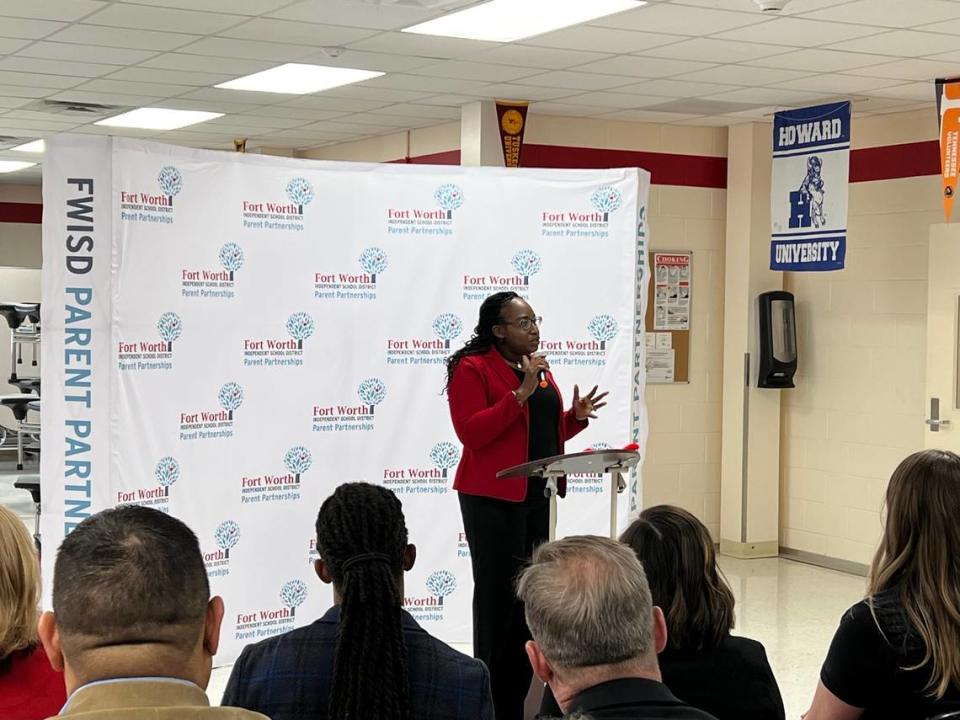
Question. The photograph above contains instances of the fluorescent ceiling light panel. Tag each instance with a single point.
(37, 146)
(158, 118)
(299, 79)
(13, 165)
(509, 20)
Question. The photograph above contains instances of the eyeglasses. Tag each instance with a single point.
(526, 323)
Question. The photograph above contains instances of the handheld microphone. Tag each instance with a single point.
(542, 374)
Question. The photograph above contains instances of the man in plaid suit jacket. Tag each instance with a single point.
(366, 658)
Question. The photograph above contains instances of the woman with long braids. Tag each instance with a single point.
(366, 658)
(505, 416)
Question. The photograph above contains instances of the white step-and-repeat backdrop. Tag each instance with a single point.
(228, 337)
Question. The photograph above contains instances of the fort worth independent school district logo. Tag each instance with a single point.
(211, 282)
(277, 487)
(271, 215)
(603, 328)
(152, 354)
(352, 285)
(440, 584)
(227, 535)
(427, 221)
(575, 223)
(153, 207)
(525, 263)
(213, 424)
(267, 622)
(588, 483)
(166, 472)
(426, 350)
(421, 480)
(279, 352)
(340, 418)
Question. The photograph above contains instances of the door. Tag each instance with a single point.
(943, 316)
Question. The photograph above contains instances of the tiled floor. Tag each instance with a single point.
(791, 608)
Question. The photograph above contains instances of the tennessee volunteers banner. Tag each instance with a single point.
(948, 100)
(227, 337)
(512, 121)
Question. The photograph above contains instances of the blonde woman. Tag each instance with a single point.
(29, 688)
(896, 653)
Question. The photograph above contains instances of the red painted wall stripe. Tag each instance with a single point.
(11, 212)
(889, 162)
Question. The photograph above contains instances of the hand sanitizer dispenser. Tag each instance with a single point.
(778, 340)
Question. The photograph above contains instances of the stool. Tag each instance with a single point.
(19, 405)
(27, 385)
(31, 483)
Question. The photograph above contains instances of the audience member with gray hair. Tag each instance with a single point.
(596, 632)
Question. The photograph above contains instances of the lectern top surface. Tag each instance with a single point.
(597, 461)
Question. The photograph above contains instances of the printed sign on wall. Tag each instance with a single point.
(808, 198)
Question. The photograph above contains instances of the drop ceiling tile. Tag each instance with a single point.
(674, 88)
(839, 84)
(950, 27)
(298, 113)
(132, 88)
(703, 106)
(567, 110)
(121, 37)
(439, 112)
(257, 122)
(536, 57)
(428, 46)
(339, 126)
(66, 10)
(715, 51)
(220, 106)
(12, 27)
(171, 77)
(85, 53)
(744, 75)
(484, 72)
(145, 17)
(379, 95)
(456, 101)
(13, 102)
(238, 7)
(340, 104)
(793, 8)
(233, 67)
(797, 32)
(10, 45)
(352, 14)
(287, 31)
(590, 38)
(890, 13)
(679, 20)
(770, 96)
(623, 101)
(819, 60)
(218, 95)
(400, 81)
(647, 116)
(369, 61)
(636, 66)
(25, 127)
(59, 82)
(55, 67)
(393, 121)
(910, 91)
(511, 91)
(575, 80)
(248, 49)
(716, 121)
(902, 43)
(913, 69)
(106, 98)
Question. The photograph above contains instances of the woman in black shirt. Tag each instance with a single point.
(896, 653)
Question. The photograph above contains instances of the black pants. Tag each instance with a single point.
(502, 535)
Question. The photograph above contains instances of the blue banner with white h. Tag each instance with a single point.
(808, 198)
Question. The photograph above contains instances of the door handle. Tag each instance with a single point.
(934, 422)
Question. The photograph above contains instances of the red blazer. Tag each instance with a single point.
(493, 427)
(29, 688)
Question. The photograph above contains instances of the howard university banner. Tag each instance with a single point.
(228, 337)
(808, 198)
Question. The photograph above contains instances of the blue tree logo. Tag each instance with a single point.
(300, 326)
(300, 192)
(373, 260)
(449, 197)
(441, 583)
(231, 397)
(447, 327)
(231, 257)
(292, 594)
(527, 263)
(170, 327)
(227, 535)
(167, 472)
(603, 328)
(372, 391)
(445, 455)
(298, 460)
(170, 181)
(606, 199)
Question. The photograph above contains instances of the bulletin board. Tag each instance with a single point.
(668, 318)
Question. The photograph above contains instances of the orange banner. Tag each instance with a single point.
(512, 120)
(949, 142)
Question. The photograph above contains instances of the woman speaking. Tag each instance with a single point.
(506, 414)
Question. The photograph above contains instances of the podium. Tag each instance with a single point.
(602, 462)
